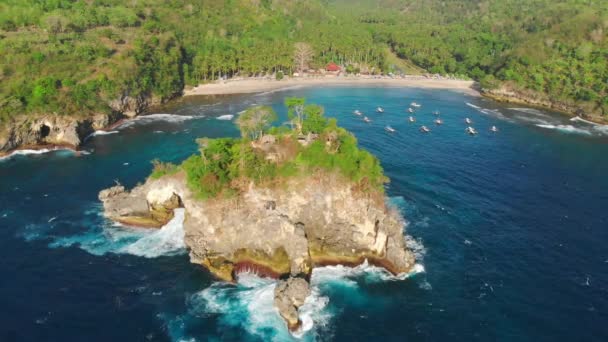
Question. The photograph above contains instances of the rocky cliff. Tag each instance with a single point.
(34, 131)
(509, 94)
(319, 219)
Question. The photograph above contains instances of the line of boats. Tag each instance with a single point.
(424, 129)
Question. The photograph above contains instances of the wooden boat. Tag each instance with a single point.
(438, 122)
(412, 119)
(357, 112)
(424, 129)
(468, 121)
(494, 129)
(415, 105)
(380, 110)
(410, 110)
(366, 119)
(390, 129)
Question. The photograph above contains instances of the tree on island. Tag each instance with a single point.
(302, 56)
(254, 120)
(295, 111)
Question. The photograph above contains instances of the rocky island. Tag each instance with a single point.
(277, 202)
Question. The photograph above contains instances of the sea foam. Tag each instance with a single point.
(146, 119)
(99, 132)
(566, 129)
(26, 152)
(168, 240)
(104, 237)
(225, 117)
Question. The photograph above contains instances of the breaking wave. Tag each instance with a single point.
(103, 237)
(248, 306)
(27, 152)
(566, 129)
(166, 241)
(99, 132)
(226, 117)
(146, 119)
(492, 112)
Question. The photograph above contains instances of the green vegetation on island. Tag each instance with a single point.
(269, 155)
(74, 57)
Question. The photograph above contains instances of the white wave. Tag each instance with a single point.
(166, 241)
(601, 129)
(248, 305)
(145, 119)
(99, 132)
(104, 237)
(26, 152)
(532, 120)
(225, 117)
(566, 129)
(472, 105)
(529, 111)
(492, 112)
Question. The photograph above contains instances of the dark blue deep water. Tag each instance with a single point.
(511, 229)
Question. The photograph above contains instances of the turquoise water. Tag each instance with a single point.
(510, 228)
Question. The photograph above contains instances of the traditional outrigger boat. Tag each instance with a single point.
(412, 119)
(468, 121)
(410, 110)
(424, 129)
(366, 119)
(380, 110)
(470, 130)
(357, 112)
(390, 129)
(415, 105)
(438, 122)
(494, 129)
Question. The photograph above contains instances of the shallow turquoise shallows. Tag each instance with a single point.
(510, 229)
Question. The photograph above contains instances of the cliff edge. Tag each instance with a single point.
(275, 204)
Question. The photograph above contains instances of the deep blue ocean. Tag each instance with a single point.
(510, 227)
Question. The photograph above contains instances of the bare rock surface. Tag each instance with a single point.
(280, 232)
(289, 295)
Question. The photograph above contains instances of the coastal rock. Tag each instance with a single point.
(289, 295)
(279, 232)
(51, 130)
(510, 94)
(132, 106)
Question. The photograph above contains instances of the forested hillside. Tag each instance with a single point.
(73, 57)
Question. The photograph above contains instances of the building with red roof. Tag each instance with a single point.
(332, 67)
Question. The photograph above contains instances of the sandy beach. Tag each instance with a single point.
(256, 85)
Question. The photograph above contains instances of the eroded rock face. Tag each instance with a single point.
(132, 106)
(289, 295)
(54, 130)
(280, 232)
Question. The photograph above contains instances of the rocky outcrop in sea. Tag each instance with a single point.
(279, 232)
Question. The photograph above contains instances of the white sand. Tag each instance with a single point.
(256, 85)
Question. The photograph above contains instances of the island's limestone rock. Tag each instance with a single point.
(289, 295)
(316, 220)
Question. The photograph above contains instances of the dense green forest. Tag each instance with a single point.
(73, 57)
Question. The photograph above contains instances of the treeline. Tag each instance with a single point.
(72, 57)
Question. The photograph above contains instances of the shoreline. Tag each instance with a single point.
(260, 85)
(43, 148)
